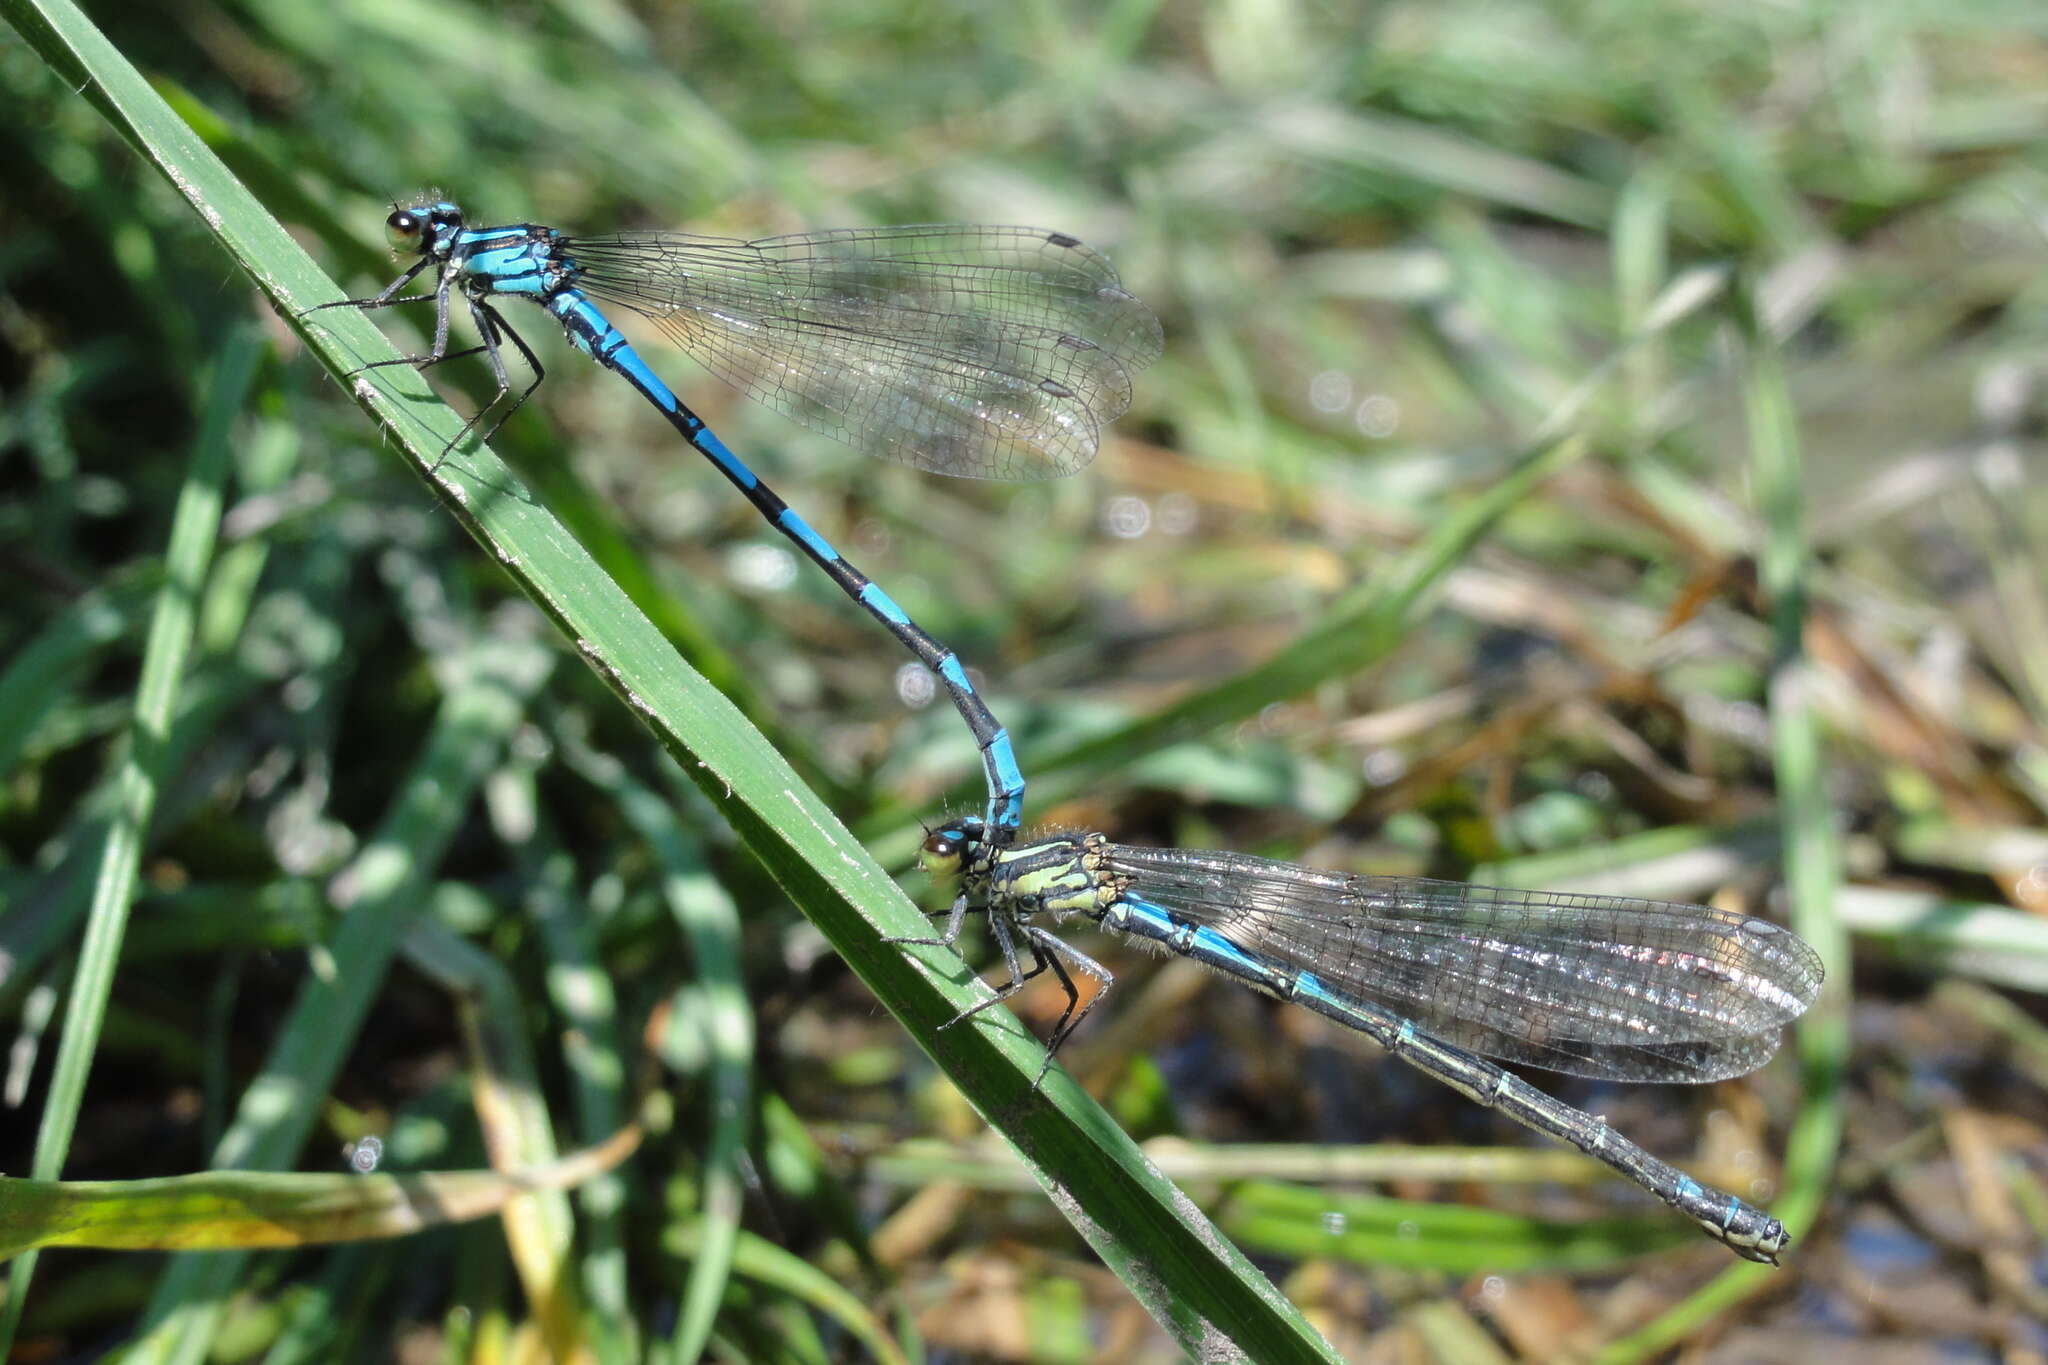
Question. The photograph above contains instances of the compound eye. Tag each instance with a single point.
(942, 854)
(402, 230)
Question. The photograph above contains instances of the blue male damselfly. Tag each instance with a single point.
(1442, 974)
(983, 352)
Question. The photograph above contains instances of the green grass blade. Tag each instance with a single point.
(224, 1210)
(710, 921)
(511, 1107)
(194, 527)
(592, 1051)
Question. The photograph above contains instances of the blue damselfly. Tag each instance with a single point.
(1441, 974)
(983, 352)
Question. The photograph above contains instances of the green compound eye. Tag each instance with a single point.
(940, 855)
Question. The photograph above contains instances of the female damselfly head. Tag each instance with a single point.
(422, 227)
(945, 851)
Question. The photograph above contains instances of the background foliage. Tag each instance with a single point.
(1737, 314)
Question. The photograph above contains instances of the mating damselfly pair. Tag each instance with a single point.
(1002, 352)
(981, 352)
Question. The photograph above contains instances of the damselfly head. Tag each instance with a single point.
(943, 852)
(416, 230)
(946, 851)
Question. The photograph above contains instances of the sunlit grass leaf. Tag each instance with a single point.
(223, 1210)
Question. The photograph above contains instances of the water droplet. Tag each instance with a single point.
(1330, 391)
(1126, 517)
(1383, 766)
(364, 1154)
(916, 686)
(1379, 416)
(764, 568)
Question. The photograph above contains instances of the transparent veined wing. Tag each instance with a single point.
(982, 352)
(1609, 987)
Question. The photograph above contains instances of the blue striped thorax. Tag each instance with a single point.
(520, 259)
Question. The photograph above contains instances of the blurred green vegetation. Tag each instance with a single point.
(1599, 445)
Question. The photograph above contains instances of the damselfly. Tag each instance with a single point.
(984, 352)
(1441, 974)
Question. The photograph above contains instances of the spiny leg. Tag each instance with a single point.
(1039, 962)
(367, 304)
(955, 918)
(1046, 949)
(492, 329)
(1000, 923)
(491, 324)
(1049, 948)
(386, 298)
(443, 293)
(418, 362)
